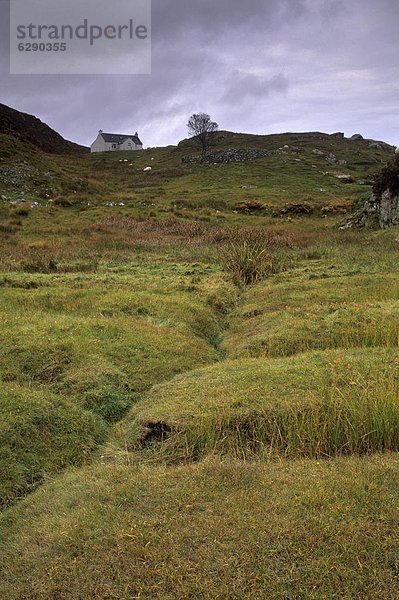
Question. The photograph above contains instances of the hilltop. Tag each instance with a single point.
(28, 128)
(273, 141)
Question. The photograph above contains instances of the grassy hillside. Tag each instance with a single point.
(298, 169)
(199, 399)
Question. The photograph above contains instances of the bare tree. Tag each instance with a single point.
(201, 128)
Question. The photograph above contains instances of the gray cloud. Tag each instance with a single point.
(261, 66)
(245, 86)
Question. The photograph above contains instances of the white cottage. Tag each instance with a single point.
(110, 142)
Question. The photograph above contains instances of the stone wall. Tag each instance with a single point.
(231, 155)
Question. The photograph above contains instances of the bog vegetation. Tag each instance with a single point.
(197, 401)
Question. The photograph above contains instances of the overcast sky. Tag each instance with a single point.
(260, 66)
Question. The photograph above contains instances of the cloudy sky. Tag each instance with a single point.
(260, 66)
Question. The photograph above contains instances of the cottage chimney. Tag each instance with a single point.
(100, 131)
(136, 134)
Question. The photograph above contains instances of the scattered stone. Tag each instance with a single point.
(338, 134)
(318, 152)
(375, 145)
(343, 177)
(356, 136)
(331, 158)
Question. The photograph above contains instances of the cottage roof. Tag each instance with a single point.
(119, 138)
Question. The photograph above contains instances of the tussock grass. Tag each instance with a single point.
(40, 434)
(313, 405)
(213, 530)
(251, 255)
(249, 263)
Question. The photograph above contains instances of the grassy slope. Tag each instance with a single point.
(289, 530)
(102, 343)
(317, 404)
(96, 321)
(99, 303)
(40, 435)
(340, 296)
(273, 180)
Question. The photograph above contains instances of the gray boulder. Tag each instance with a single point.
(375, 145)
(389, 210)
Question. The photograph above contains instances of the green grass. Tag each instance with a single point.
(102, 343)
(124, 342)
(341, 294)
(40, 434)
(316, 327)
(299, 529)
(312, 405)
(92, 339)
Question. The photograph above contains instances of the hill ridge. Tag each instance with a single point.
(29, 128)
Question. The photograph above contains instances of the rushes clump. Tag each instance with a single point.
(248, 262)
(253, 255)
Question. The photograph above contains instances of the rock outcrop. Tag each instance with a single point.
(389, 209)
(383, 204)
